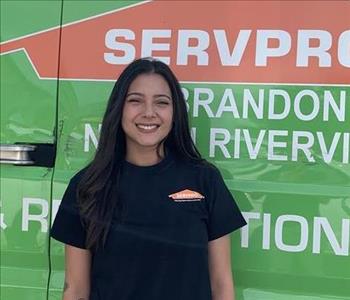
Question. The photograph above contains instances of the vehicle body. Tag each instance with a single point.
(268, 90)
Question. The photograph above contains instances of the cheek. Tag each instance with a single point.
(125, 121)
(127, 116)
(169, 117)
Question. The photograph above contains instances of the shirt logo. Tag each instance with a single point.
(186, 196)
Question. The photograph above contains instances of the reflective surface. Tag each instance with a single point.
(283, 148)
(27, 115)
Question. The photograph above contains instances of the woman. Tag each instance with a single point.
(148, 218)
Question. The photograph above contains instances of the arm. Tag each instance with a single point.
(77, 273)
(221, 281)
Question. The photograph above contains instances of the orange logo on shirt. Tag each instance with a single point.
(186, 195)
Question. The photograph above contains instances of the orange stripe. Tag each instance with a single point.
(83, 43)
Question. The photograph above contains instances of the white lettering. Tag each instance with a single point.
(232, 107)
(328, 155)
(248, 100)
(41, 208)
(338, 110)
(185, 50)
(234, 58)
(248, 216)
(197, 102)
(297, 103)
(194, 134)
(284, 96)
(304, 50)
(148, 46)
(253, 151)
(90, 136)
(344, 49)
(272, 144)
(186, 94)
(304, 233)
(266, 231)
(310, 43)
(112, 43)
(262, 48)
(339, 249)
(237, 143)
(305, 147)
(221, 143)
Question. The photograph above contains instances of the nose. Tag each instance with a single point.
(149, 110)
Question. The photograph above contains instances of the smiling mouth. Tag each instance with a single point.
(147, 127)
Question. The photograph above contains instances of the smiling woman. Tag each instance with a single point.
(147, 117)
(148, 218)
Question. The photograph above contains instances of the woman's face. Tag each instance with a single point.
(147, 113)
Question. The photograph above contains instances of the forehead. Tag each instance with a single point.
(149, 84)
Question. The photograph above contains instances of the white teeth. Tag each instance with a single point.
(147, 127)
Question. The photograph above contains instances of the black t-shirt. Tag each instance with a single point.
(158, 249)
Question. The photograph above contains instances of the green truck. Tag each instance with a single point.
(267, 85)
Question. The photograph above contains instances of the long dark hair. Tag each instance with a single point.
(97, 188)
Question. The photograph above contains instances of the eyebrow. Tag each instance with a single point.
(140, 94)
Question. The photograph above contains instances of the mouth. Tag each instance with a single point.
(147, 127)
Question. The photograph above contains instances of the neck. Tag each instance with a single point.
(144, 157)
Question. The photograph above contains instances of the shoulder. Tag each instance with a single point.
(202, 169)
(78, 175)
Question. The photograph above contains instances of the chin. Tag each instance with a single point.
(147, 144)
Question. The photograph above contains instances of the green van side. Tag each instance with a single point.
(287, 166)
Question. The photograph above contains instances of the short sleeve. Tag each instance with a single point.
(224, 213)
(67, 227)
